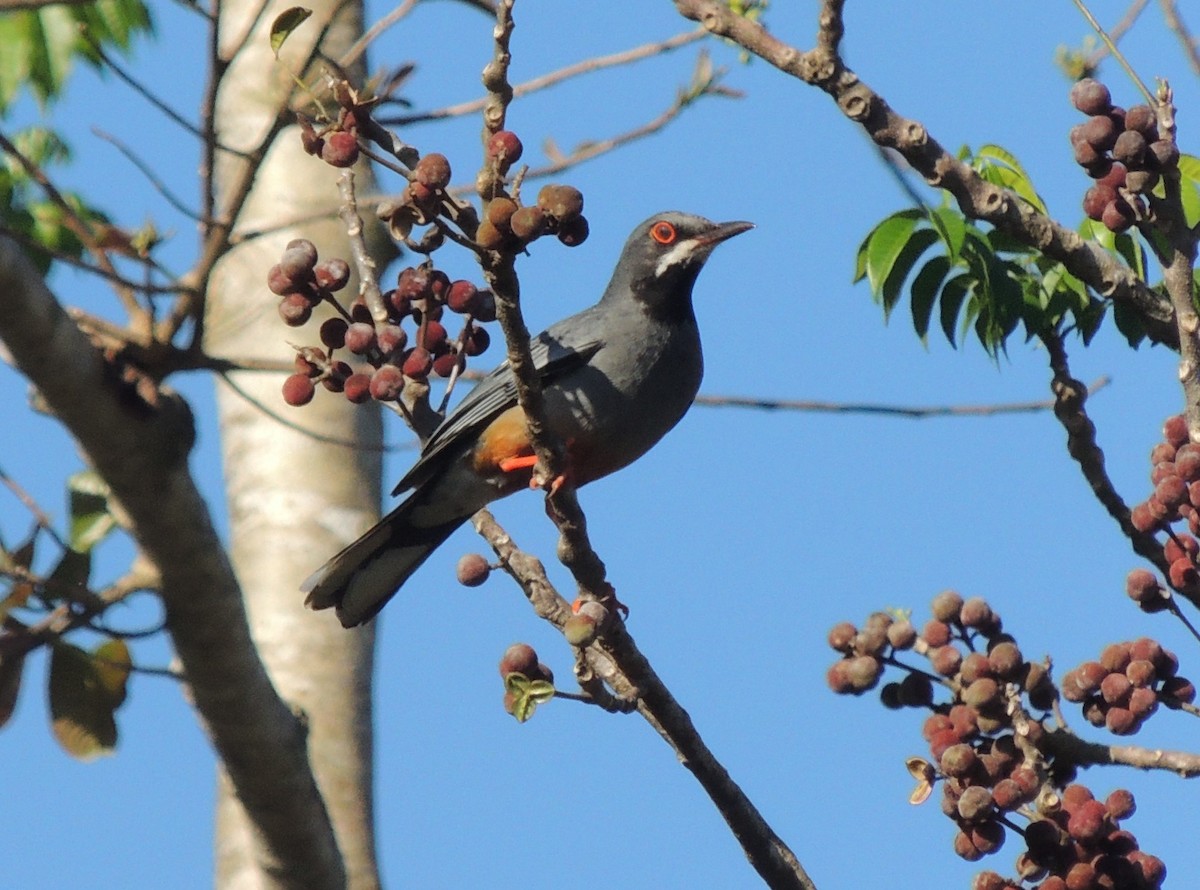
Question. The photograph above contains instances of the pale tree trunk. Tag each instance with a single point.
(293, 499)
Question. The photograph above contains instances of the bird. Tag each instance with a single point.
(615, 378)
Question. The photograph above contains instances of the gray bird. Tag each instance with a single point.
(615, 378)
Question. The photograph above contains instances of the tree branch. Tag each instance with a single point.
(141, 450)
(822, 67)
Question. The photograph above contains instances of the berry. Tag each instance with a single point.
(1005, 660)
(841, 636)
(864, 672)
(435, 336)
(1129, 148)
(433, 171)
(485, 308)
(519, 658)
(500, 212)
(462, 297)
(1100, 132)
(1120, 721)
(295, 310)
(472, 569)
(1176, 691)
(488, 236)
(358, 388)
(1182, 573)
(975, 666)
(1090, 96)
(298, 389)
(387, 383)
(1142, 519)
(528, 223)
(1187, 462)
(1141, 181)
(573, 232)
(504, 147)
(838, 677)
(916, 691)
(936, 633)
(560, 202)
(1175, 430)
(444, 364)
(340, 149)
(902, 634)
(958, 761)
(1114, 177)
(946, 606)
(477, 341)
(982, 694)
(333, 332)
(299, 258)
(1141, 118)
(1142, 586)
(1096, 199)
(976, 804)
(975, 612)
(391, 339)
(1171, 491)
(333, 274)
(418, 363)
(1117, 216)
(1165, 153)
(360, 338)
(279, 282)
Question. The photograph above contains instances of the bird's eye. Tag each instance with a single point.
(663, 232)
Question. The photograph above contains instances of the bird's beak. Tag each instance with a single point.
(724, 231)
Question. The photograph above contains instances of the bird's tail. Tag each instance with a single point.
(360, 579)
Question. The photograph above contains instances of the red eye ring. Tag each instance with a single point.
(663, 232)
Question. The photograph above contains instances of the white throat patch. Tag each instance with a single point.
(678, 255)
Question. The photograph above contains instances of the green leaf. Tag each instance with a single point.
(114, 664)
(1129, 322)
(884, 246)
(80, 708)
(541, 691)
(913, 248)
(285, 23)
(69, 578)
(925, 291)
(1189, 193)
(951, 226)
(1000, 167)
(11, 669)
(954, 292)
(91, 520)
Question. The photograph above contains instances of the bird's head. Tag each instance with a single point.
(662, 258)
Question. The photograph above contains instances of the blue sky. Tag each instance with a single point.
(738, 541)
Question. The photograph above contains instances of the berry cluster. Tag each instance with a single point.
(337, 144)
(1122, 151)
(1175, 475)
(990, 755)
(421, 295)
(558, 211)
(527, 681)
(1125, 686)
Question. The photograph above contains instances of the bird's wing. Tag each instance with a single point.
(492, 396)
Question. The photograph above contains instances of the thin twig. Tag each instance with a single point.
(1117, 31)
(913, 411)
(1191, 47)
(553, 78)
(371, 34)
(1117, 54)
(153, 178)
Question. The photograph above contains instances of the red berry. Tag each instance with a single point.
(360, 338)
(936, 633)
(1100, 132)
(841, 636)
(418, 363)
(333, 332)
(505, 149)
(1142, 586)
(1175, 430)
(298, 389)
(387, 383)
(519, 658)
(295, 310)
(333, 274)
(358, 388)
(340, 149)
(462, 297)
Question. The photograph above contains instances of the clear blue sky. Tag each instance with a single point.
(737, 542)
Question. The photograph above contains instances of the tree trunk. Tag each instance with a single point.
(293, 499)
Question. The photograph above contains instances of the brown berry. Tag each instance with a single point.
(1141, 118)
(433, 171)
(946, 606)
(560, 202)
(504, 147)
(528, 223)
(1129, 148)
(573, 232)
(519, 658)
(1175, 430)
(841, 636)
(472, 569)
(500, 211)
(1090, 96)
